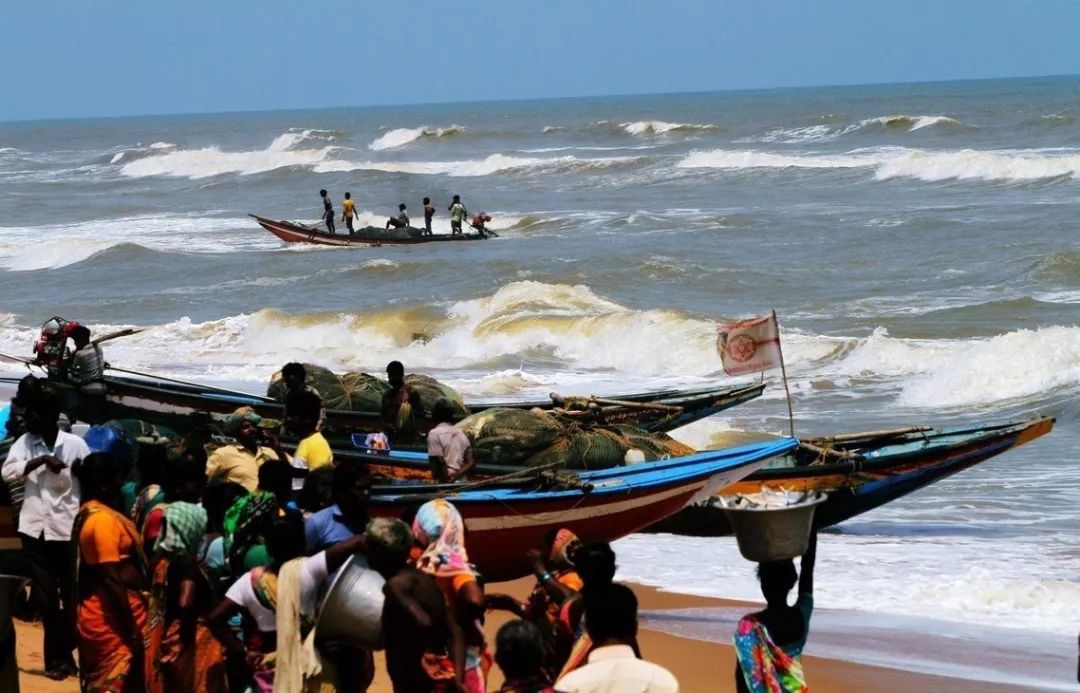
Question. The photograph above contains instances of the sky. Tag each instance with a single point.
(92, 58)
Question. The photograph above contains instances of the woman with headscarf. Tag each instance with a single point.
(115, 650)
(192, 659)
(557, 582)
(246, 521)
(440, 533)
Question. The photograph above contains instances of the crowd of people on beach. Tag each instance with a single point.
(458, 216)
(188, 571)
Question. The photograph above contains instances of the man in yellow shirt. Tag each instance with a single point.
(348, 211)
(313, 452)
(240, 463)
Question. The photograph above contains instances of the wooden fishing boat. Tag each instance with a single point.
(183, 405)
(292, 232)
(864, 471)
(504, 518)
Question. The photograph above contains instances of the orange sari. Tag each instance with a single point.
(106, 663)
(197, 667)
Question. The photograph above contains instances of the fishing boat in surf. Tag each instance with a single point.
(180, 405)
(295, 232)
(862, 471)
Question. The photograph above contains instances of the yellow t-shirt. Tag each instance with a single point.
(313, 452)
(235, 463)
(348, 208)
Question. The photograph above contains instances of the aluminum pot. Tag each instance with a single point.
(773, 533)
(351, 612)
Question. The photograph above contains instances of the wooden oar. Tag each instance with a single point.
(117, 334)
(559, 400)
(236, 393)
(485, 232)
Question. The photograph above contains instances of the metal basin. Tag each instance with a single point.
(351, 612)
(773, 533)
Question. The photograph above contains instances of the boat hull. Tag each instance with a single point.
(297, 233)
(858, 486)
(607, 505)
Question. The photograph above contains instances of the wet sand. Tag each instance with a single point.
(698, 665)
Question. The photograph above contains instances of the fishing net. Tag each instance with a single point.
(537, 439)
(401, 234)
(509, 436)
(350, 391)
(431, 390)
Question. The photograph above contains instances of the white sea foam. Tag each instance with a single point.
(738, 160)
(494, 163)
(572, 329)
(942, 576)
(888, 163)
(399, 137)
(826, 132)
(49, 247)
(660, 127)
(1015, 365)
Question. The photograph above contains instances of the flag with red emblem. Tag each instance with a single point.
(749, 346)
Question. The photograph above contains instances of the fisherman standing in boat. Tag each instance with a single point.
(401, 220)
(328, 211)
(86, 372)
(294, 375)
(479, 223)
(401, 406)
(348, 211)
(457, 215)
(449, 450)
(429, 213)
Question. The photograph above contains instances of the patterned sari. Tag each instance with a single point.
(198, 665)
(765, 666)
(106, 662)
(438, 526)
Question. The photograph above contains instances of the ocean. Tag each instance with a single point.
(919, 242)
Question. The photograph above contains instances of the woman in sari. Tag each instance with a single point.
(115, 652)
(255, 595)
(440, 533)
(557, 582)
(247, 520)
(192, 659)
(769, 643)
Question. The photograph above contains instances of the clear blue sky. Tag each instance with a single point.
(76, 58)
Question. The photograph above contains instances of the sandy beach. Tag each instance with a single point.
(698, 665)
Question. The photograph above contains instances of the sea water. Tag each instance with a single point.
(920, 244)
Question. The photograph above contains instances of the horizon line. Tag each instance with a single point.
(844, 85)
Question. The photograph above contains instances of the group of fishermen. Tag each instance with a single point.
(458, 216)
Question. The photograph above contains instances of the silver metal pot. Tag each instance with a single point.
(351, 612)
(773, 533)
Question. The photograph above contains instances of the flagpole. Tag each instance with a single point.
(783, 372)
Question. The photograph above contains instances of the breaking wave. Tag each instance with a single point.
(927, 165)
(399, 137)
(562, 327)
(49, 247)
(890, 124)
(660, 127)
(494, 163)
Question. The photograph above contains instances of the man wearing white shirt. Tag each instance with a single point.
(611, 621)
(41, 458)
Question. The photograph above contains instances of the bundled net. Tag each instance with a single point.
(537, 438)
(377, 232)
(350, 391)
(431, 390)
(510, 436)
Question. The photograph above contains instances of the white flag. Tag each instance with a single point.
(749, 346)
